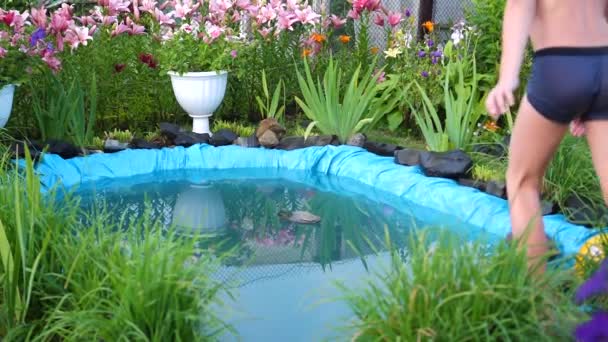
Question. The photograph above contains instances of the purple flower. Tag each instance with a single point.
(596, 284)
(39, 34)
(430, 43)
(408, 13)
(424, 74)
(434, 60)
(594, 330)
(49, 47)
(233, 53)
(421, 53)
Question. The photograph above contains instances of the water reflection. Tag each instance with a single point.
(199, 209)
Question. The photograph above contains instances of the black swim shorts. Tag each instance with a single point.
(570, 82)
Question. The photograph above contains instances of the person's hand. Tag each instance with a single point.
(577, 127)
(501, 98)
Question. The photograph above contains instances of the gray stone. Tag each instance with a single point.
(251, 141)
(452, 164)
(223, 137)
(381, 149)
(358, 140)
(137, 143)
(548, 207)
(291, 143)
(408, 156)
(496, 188)
(319, 140)
(269, 139)
(170, 130)
(111, 146)
(187, 139)
(585, 212)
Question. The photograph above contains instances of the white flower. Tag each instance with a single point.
(392, 52)
(457, 36)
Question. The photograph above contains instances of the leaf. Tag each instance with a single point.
(394, 120)
(309, 129)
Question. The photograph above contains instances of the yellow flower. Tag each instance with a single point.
(318, 37)
(392, 52)
(429, 26)
(374, 50)
(491, 126)
(344, 38)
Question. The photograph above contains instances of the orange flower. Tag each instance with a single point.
(318, 37)
(429, 26)
(306, 52)
(374, 50)
(344, 38)
(491, 126)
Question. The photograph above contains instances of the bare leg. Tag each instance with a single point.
(598, 142)
(533, 143)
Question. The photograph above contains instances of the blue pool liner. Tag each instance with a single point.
(427, 197)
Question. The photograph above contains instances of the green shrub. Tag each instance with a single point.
(333, 111)
(446, 290)
(123, 136)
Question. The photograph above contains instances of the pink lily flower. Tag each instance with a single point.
(213, 30)
(59, 23)
(86, 20)
(267, 13)
(286, 20)
(162, 18)
(353, 14)
(292, 5)
(378, 20)
(117, 6)
(182, 9)
(3, 52)
(307, 16)
(103, 3)
(394, 19)
(76, 36)
(135, 10)
(243, 4)
(372, 5)
(148, 6)
(39, 16)
(265, 32)
(120, 29)
(336, 21)
(51, 61)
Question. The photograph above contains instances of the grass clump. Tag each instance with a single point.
(69, 277)
(445, 290)
(242, 130)
(123, 136)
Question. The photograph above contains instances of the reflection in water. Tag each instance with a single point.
(200, 209)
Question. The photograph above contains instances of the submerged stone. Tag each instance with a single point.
(452, 164)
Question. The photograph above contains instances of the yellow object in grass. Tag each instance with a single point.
(591, 252)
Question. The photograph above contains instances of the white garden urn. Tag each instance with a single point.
(6, 103)
(199, 94)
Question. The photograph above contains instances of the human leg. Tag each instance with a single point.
(533, 142)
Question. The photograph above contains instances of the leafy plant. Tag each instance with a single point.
(271, 109)
(447, 290)
(335, 113)
(463, 110)
(123, 136)
(242, 130)
(65, 113)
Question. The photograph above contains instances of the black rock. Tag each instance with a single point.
(291, 143)
(408, 156)
(585, 212)
(187, 139)
(506, 141)
(64, 149)
(472, 183)
(251, 141)
(223, 137)
(496, 188)
(382, 149)
(111, 146)
(170, 130)
(320, 140)
(137, 143)
(548, 208)
(18, 149)
(358, 140)
(452, 164)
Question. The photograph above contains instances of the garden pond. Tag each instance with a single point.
(283, 274)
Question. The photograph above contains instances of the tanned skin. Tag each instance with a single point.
(546, 23)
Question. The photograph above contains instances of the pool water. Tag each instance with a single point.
(283, 274)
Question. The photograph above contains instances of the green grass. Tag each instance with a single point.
(242, 130)
(65, 278)
(488, 168)
(446, 290)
